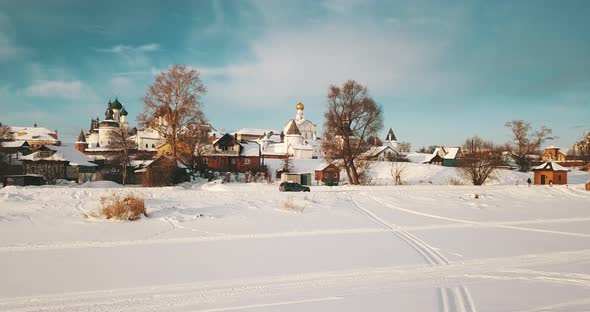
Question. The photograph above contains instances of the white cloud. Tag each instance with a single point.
(127, 49)
(305, 62)
(64, 89)
(133, 56)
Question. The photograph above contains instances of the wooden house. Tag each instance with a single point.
(328, 174)
(550, 173)
(381, 153)
(59, 162)
(161, 171)
(227, 154)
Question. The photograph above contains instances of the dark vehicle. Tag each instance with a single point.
(23, 180)
(293, 187)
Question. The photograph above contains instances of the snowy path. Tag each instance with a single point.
(233, 248)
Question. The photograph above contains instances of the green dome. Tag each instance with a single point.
(123, 112)
(117, 104)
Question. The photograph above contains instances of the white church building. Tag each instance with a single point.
(298, 139)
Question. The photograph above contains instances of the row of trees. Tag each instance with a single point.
(353, 117)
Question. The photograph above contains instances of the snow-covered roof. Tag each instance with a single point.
(34, 134)
(419, 157)
(12, 144)
(553, 166)
(451, 152)
(74, 156)
(551, 147)
(62, 153)
(323, 166)
(376, 150)
(250, 149)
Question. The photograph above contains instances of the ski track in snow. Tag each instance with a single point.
(179, 296)
(459, 296)
(232, 295)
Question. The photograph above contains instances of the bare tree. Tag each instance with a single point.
(581, 149)
(526, 141)
(172, 106)
(405, 147)
(480, 159)
(428, 150)
(374, 140)
(397, 170)
(195, 145)
(119, 140)
(352, 116)
(5, 135)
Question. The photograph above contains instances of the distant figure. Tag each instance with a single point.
(528, 181)
(551, 183)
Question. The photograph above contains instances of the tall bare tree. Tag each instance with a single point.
(119, 140)
(352, 116)
(526, 141)
(480, 159)
(172, 106)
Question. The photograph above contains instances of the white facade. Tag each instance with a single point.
(298, 139)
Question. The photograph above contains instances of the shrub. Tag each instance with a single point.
(454, 181)
(118, 207)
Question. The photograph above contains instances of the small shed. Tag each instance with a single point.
(550, 173)
(328, 174)
(301, 178)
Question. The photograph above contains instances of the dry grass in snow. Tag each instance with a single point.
(115, 206)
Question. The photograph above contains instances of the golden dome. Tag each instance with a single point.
(300, 106)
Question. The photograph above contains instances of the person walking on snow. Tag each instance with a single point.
(528, 181)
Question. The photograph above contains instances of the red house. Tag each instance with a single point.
(229, 155)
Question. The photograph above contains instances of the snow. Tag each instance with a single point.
(419, 157)
(12, 144)
(551, 165)
(250, 149)
(63, 153)
(236, 247)
(33, 134)
(256, 131)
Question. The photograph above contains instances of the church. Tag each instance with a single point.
(297, 140)
(98, 137)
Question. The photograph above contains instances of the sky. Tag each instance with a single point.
(443, 71)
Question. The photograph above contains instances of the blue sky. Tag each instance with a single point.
(442, 70)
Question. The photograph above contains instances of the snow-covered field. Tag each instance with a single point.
(234, 247)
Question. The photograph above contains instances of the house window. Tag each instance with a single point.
(146, 146)
(206, 161)
(247, 161)
(153, 145)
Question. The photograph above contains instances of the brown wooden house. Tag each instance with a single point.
(550, 173)
(327, 174)
(161, 171)
(230, 155)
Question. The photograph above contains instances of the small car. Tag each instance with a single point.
(293, 187)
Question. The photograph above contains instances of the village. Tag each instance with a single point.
(325, 155)
(292, 153)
